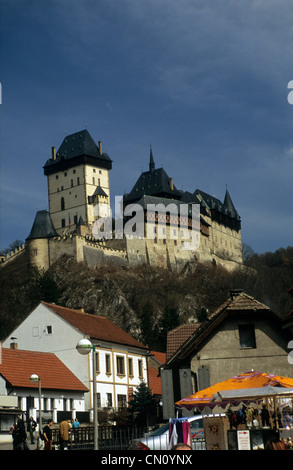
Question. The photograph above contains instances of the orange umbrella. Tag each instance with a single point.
(251, 379)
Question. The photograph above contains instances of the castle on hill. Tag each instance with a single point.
(78, 177)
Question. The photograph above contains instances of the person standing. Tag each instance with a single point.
(64, 430)
(19, 436)
(75, 427)
(47, 432)
(32, 429)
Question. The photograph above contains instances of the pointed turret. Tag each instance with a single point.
(229, 205)
(152, 163)
(43, 226)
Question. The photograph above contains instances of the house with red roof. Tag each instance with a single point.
(121, 360)
(60, 388)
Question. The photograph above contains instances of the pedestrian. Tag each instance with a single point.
(64, 430)
(32, 425)
(265, 416)
(47, 433)
(19, 436)
(75, 427)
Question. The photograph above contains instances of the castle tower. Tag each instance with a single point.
(78, 181)
(37, 243)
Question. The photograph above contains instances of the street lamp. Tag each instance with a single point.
(35, 378)
(84, 347)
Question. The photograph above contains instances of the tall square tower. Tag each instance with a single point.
(78, 182)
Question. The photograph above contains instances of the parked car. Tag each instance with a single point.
(159, 439)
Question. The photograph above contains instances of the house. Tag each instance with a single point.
(121, 359)
(61, 390)
(242, 334)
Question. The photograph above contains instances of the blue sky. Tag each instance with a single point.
(205, 82)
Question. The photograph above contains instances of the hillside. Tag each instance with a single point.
(145, 301)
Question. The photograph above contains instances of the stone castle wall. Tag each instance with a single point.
(164, 253)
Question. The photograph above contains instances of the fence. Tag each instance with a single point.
(110, 438)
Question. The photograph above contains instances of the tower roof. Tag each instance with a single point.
(43, 226)
(76, 148)
(229, 205)
(154, 182)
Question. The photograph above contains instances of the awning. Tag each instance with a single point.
(253, 393)
(249, 380)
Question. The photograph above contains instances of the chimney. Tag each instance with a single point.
(171, 183)
(13, 344)
(100, 147)
(53, 153)
(234, 293)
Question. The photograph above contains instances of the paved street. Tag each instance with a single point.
(8, 446)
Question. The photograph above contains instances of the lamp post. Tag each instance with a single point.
(35, 378)
(84, 347)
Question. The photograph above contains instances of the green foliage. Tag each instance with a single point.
(145, 301)
(42, 287)
(23, 295)
(142, 403)
(142, 398)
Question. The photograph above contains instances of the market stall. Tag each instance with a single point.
(255, 408)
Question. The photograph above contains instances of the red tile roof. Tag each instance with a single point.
(16, 366)
(95, 326)
(178, 336)
(159, 356)
(154, 381)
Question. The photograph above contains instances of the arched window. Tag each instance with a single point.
(62, 204)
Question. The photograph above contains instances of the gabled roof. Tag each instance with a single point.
(16, 366)
(178, 336)
(95, 326)
(43, 226)
(227, 207)
(240, 302)
(154, 182)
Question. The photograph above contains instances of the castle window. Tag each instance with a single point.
(62, 204)
(78, 180)
(57, 176)
(63, 223)
(72, 183)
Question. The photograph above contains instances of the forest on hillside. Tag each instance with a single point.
(145, 301)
